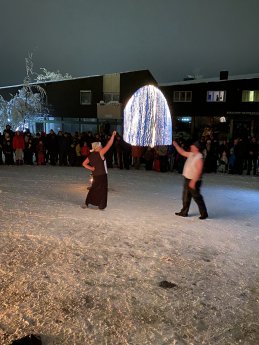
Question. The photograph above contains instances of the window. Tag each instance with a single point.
(85, 97)
(182, 96)
(111, 97)
(216, 96)
(250, 96)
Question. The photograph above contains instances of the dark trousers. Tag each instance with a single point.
(188, 194)
(126, 160)
(251, 162)
(163, 163)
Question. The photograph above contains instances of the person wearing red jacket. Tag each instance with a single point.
(85, 151)
(18, 146)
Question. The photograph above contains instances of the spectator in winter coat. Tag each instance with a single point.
(8, 152)
(8, 130)
(62, 143)
(41, 153)
(149, 158)
(232, 157)
(1, 148)
(78, 154)
(252, 156)
(110, 156)
(123, 150)
(84, 150)
(210, 155)
(18, 146)
(161, 152)
(52, 147)
(240, 154)
(136, 156)
(223, 162)
(28, 152)
(72, 153)
(179, 160)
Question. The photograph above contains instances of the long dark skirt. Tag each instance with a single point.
(97, 194)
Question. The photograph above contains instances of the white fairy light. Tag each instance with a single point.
(147, 118)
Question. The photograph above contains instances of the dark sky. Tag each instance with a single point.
(171, 38)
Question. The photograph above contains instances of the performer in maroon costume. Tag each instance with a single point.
(96, 162)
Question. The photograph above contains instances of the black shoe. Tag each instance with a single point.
(181, 214)
(84, 206)
(204, 216)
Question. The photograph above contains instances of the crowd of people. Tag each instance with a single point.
(237, 156)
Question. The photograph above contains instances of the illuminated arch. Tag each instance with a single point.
(147, 118)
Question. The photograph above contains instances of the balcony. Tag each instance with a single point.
(110, 110)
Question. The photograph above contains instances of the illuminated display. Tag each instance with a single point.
(147, 118)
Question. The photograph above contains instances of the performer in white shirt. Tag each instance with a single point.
(192, 173)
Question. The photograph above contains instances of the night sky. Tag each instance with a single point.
(171, 38)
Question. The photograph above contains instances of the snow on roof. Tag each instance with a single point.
(65, 79)
(214, 79)
(182, 82)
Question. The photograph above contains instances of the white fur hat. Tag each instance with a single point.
(95, 145)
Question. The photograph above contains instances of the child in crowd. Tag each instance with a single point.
(223, 163)
(41, 153)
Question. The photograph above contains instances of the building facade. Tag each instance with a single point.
(86, 104)
(230, 105)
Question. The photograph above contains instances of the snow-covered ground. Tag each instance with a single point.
(132, 274)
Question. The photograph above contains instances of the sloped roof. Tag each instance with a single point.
(76, 78)
(209, 80)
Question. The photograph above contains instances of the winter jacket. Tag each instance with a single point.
(18, 142)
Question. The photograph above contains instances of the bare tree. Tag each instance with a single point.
(27, 104)
(49, 76)
(3, 113)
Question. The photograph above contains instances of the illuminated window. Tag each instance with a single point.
(182, 96)
(216, 96)
(85, 97)
(250, 96)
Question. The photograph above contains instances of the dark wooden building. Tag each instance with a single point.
(87, 103)
(230, 105)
